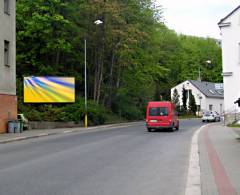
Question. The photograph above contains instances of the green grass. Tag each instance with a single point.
(234, 125)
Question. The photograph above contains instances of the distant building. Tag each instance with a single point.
(230, 31)
(208, 96)
(8, 99)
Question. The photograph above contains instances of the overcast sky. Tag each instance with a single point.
(196, 17)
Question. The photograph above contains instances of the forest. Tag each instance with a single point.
(132, 57)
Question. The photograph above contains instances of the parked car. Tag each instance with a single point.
(24, 120)
(160, 115)
(211, 116)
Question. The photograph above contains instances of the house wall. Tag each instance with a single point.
(204, 102)
(196, 93)
(8, 110)
(217, 104)
(231, 60)
(8, 100)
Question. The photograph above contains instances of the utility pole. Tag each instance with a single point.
(85, 79)
(97, 22)
(199, 73)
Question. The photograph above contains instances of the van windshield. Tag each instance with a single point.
(158, 111)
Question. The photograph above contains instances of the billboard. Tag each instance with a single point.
(49, 89)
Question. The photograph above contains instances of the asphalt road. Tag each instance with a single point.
(120, 161)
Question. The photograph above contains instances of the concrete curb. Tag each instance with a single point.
(69, 130)
(193, 186)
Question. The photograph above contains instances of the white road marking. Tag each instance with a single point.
(43, 134)
(193, 186)
(67, 131)
(18, 138)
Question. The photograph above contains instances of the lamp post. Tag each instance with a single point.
(97, 22)
(200, 101)
(85, 79)
(199, 69)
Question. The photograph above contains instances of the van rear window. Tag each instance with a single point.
(158, 111)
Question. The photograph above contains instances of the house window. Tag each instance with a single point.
(6, 53)
(210, 107)
(211, 91)
(7, 6)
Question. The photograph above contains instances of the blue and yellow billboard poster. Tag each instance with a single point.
(49, 89)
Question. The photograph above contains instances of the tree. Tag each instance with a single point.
(194, 53)
(175, 99)
(192, 103)
(132, 57)
(184, 99)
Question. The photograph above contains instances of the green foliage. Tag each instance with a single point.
(184, 99)
(175, 99)
(192, 103)
(97, 114)
(194, 54)
(132, 57)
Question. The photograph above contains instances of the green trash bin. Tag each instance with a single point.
(17, 125)
(21, 125)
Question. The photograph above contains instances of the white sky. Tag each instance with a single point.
(196, 17)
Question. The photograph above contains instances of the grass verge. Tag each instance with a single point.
(234, 125)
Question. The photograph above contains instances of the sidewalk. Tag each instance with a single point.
(11, 137)
(219, 151)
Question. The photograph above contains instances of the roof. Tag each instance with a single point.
(156, 103)
(208, 89)
(229, 14)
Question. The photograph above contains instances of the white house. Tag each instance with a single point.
(230, 31)
(208, 96)
(8, 99)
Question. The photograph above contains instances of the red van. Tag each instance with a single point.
(161, 115)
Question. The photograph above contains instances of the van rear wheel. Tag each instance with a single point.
(172, 128)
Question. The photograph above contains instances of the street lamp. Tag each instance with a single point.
(209, 61)
(97, 22)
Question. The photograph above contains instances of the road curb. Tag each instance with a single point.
(193, 186)
(80, 130)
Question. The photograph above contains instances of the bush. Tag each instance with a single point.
(97, 114)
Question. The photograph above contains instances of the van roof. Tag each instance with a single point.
(159, 103)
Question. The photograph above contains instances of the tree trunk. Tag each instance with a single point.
(57, 57)
(118, 77)
(110, 84)
(100, 76)
(96, 77)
